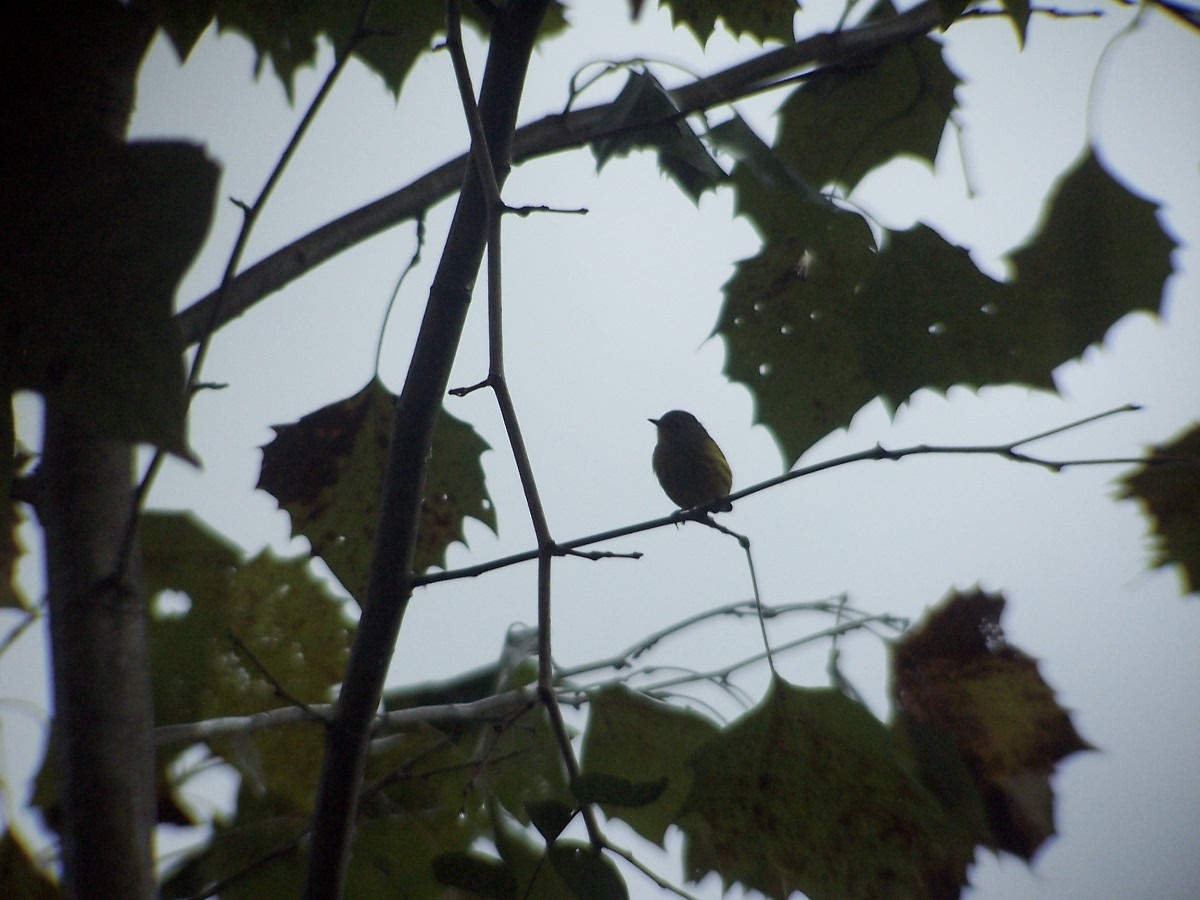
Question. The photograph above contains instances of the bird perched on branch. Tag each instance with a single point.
(690, 466)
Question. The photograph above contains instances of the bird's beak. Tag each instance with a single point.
(652, 421)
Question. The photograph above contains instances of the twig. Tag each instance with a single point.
(738, 608)
(280, 691)
(499, 385)
(485, 709)
(603, 554)
(213, 319)
(548, 135)
(721, 675)
(646, 870)
(1006, 451)
(1051, 11)
(412, 264)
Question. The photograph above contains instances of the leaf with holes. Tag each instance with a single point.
(287, 624)
(327, 471)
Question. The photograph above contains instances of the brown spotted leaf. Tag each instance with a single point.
(327, 470)
(956, 674)
(1169, 489)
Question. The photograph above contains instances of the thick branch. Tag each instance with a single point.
(514, 30)
(548, 135)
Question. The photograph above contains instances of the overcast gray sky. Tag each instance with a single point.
(607, 319)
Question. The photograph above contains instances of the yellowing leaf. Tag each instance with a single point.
(279, 612)
(956, 674)
(327, 470)
(810, 792)
(1169, 489)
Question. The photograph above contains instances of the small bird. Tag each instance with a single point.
(690, 466)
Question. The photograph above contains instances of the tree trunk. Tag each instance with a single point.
(69, 71)
(103, 712)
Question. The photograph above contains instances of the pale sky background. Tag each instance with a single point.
(607, 317)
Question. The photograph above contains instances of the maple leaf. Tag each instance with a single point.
(327, 470)
(957, 674)
(1169, 489)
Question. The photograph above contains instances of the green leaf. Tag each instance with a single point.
(288, 32)
(549, 817)
(600, 787)
(798, 786)
(951, 10)
(476, 873)
(587, 872)
(283, 616)
(681, 154)
(327, 471)
(758, 19)
(1099, 254)
(19, 876)
(1169, 490)
(817, 324)
(1019, 11)
(843, 122)
(644, 741)
(526, 766)
(89, 282)
(784, 317)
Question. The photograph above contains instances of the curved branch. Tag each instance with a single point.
(547, 135)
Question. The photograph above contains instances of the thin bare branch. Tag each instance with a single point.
(1005, 451)
(548, 135)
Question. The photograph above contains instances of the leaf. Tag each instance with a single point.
(1169, 490)
(810, 792)
(327, 471)
(590, 874)
(681, 154)
(536, 876)
(956, 673)
(279, 611)
(817, 325)
(1019, 11)
(784, 316)
(288, 32)
(549, 817)
(633, 737)
(844, 122)
(11, 548)
(89, 281)
(476, 873)
(600, 787)
(1099, 253)
(759, 19)
(525, 766)
(951, 10)
(19, 876)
